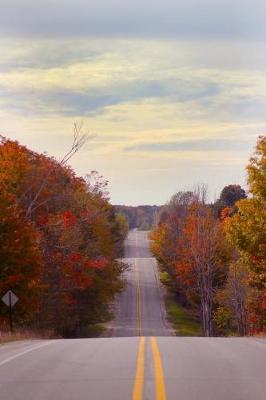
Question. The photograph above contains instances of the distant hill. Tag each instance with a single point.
(142, 217)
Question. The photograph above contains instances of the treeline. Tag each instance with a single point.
(142, 217)
(215, 254)
(60, 239)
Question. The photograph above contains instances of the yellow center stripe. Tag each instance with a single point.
(138, 291)
(138, 298)
(159, 377)
(139, 379)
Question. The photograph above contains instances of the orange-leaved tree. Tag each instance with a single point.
(64, 240)
(21, 263)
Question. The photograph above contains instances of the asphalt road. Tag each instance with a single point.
(129, 368)
(140, 308)
(135, 368)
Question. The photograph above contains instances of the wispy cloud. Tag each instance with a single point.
(203, 145)
(180, 110)
(108, 79)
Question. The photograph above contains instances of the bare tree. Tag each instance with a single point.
(79, 140)
(206, 244)
(237, 288)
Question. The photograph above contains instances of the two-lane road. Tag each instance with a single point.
(140, 308)
(135, 368)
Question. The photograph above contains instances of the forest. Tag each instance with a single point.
(141, 217)
(214, 255)
(60, 240)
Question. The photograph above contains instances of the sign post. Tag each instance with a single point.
(10, 300)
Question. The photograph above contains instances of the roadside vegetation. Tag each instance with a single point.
(181, 318)
(60, 241)
(214, 254)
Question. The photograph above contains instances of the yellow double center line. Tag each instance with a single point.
(138, 299)
(158, 371)
(159, 376)
(138, 292)
(139, 379)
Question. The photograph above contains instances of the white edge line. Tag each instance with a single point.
(25, 352)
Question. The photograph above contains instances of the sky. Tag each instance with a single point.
(173, 92)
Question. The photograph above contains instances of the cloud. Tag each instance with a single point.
(165, 110)
(117, 73)
(202, 145)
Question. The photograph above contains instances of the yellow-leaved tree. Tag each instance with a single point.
(246, 231)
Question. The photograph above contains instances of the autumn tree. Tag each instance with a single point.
(169, 231)
(228, 198)
(246, 230)
(206, 258)
(20, 258)
(190, 245)
(62, 236)
(232, 312)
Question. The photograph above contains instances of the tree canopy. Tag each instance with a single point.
(60, 239)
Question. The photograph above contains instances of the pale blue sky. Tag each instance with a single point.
(174, 91)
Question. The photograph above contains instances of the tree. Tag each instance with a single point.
(166, 235)
(246, 230)
(231, 194)
(20, 259)
(207, 257)
(139, 216)
(233, 300)
(228, 198)
(189, 243)
(60, 235)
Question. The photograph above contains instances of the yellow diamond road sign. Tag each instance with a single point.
(10, 298)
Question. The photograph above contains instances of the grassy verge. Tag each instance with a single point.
(93, 331)
(181, 319)
(90, 331)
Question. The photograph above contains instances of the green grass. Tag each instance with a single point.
(95, 330)
(183, 322)
(165, 278)
(180, 317)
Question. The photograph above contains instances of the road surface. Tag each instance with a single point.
(129, 368)
(140, 309)
(150, 367)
